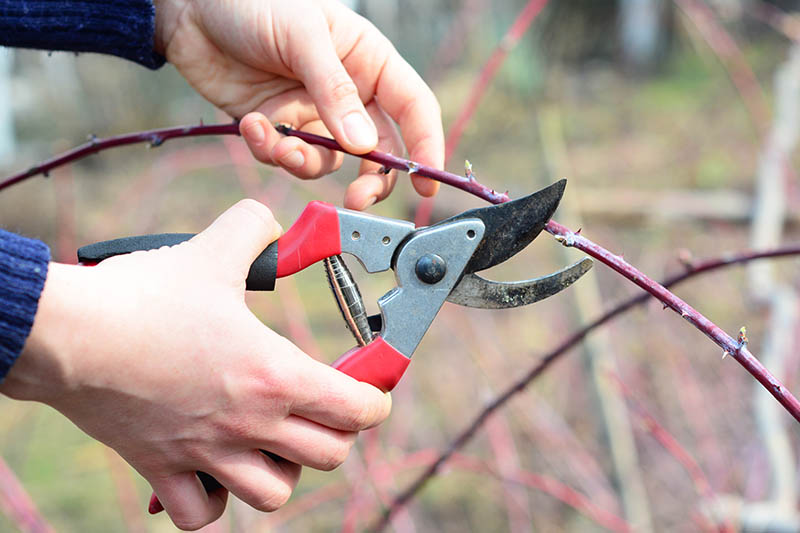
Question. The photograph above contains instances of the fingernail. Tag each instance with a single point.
(256, 133)
(358, 131)
(293, 159)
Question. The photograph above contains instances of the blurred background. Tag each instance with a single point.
(676, 124)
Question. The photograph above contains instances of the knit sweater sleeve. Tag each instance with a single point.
(23, 270)
(124, 28)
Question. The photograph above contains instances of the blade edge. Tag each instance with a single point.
(476, 291)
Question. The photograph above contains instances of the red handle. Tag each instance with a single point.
(313, 237)
(377, 363)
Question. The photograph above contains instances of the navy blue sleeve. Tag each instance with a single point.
(23, 270)
(124, 28)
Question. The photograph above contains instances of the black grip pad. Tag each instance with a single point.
(261, 277)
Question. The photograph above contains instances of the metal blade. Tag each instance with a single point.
(511, 226)
(475, 291)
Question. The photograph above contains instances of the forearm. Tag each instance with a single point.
(124, 28)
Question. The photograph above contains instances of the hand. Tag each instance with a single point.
(156, 354)
(313, 64)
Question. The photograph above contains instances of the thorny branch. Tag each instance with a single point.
(154, 138)
(469, 184)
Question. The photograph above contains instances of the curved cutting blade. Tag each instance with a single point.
(511, 226)
(475, 291)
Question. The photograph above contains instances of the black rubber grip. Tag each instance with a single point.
(261, 277)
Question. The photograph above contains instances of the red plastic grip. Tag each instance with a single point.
(313, 237)
(377, 363)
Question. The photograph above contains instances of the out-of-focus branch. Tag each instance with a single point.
(598, 356)
(694, 269)
(18, 506)
(732, 58)
(769, 217)
(489, 70)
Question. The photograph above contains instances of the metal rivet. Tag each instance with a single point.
(430, 268)
(355, 236)
(471, 234)
(386, 240)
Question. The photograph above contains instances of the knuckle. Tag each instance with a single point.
(276, 499)
(341, 88)
(362, 416)
(337, 454)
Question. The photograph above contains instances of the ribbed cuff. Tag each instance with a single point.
(124, 28)
(23, 270)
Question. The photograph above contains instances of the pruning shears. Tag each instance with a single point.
(431, 264)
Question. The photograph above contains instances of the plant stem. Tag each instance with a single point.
(153, 137)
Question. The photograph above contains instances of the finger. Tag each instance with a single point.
(187, 503)
(313, 161)
(256, 479)
(241, 233)
(296, 156)
(373, 184)
(405, 97)
(331, 88)
(335, 399)
(307, 443)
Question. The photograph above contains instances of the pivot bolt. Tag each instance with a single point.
(430, 268)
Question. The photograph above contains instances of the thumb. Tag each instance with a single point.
(333, 91)
(240, 233)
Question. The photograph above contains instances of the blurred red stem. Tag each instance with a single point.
(487, 74)
(732, 59)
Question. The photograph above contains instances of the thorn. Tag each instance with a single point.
(46, 173)
(384, 170)
(579, 231)
(92, 138)
(664, 306)
(725, 354)
(685, 258)
(684, 314)
(412, 167)
(156, 141)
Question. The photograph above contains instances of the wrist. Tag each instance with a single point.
(44, 369)
(168, 15)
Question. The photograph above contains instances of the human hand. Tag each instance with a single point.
(156, 354)
(313, 64)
